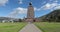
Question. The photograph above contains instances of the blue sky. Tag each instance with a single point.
(18, 8)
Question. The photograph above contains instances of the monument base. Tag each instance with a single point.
(29, 20)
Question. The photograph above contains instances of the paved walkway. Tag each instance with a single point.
(30, 28)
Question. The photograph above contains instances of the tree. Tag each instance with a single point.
(20, 20)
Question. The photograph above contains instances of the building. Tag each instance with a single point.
(30, 13)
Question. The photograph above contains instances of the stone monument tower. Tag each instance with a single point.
(30, 13)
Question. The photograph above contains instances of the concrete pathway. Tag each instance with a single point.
(30, 28)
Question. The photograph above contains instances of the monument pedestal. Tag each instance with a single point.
(29, 20)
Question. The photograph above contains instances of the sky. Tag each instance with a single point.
(18, 8)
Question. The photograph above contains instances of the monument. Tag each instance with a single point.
(30, 13)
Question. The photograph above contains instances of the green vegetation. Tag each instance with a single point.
(53, 16)
(11, 27)
(48, 27)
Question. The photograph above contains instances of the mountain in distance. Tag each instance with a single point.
(54, 16)
(8, 19)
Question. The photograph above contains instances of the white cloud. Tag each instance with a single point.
(22, 10)
(48, 6)
(17, 11)
(36, 9)
(57, 7)
(3, 2)
(20, 2)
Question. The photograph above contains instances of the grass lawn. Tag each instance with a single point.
(11, 27)
(48, 27)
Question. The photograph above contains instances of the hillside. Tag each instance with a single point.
(53, 16)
